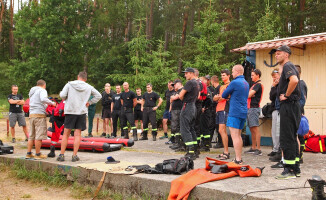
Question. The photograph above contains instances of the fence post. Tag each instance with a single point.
(7, 127)
(98, 121)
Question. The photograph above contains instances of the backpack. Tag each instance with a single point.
(267, 110)
(304, 126)
(172, 166)
(316, 144)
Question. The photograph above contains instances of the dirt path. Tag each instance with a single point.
(13, 188)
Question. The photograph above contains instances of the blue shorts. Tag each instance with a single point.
(221, 117)
(235, 122)
(167, 115)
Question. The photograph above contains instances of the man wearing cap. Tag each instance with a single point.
(189, 95)
(149, 107)
(290, 113)
(176, 106)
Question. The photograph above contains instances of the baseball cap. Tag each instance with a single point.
(189, 69)
(284, 48)
(208, 77)
(176, 81)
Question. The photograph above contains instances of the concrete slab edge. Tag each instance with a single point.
(153, 188)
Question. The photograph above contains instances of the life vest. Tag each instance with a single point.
(203, 90)
(59, 109)
(221, 104)
(262, 92)
(182, 186)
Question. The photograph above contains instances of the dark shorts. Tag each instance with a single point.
(138, 115)
(167, 115)
(75, 122)
(106, 113)
(235, 122)
(17, 117)
(221, 117)
(253, 117)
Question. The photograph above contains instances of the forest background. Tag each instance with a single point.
(138, 41)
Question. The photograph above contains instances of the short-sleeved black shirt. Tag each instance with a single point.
(128, 98)
(177, 104)
(138, 105)
(167, 96)
(192, 91)
(289, 70)
(150, 99)
(107, 99)
(256, 99)
(14, 108)
(116, 101)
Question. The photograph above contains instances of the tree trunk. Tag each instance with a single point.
(183, 37)
(167, 34)
(192, 20)
(302, 18)
(150, 28)
(11, 32)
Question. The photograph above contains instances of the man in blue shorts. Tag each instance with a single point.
(239, 90)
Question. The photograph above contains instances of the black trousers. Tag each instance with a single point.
(175, 122)
(116, 114)
(290, 116)
(205, 121)
(197, 119)
(149, 115)
(187, 121)
(127, 115)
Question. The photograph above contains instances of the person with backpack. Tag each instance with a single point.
(275, 155)
(222, 110)
(254, 99)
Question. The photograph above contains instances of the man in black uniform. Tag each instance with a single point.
(205, 119)
(290, 113)
(116, 111)
(138, 114)
(128, 101)
(175, 108)
(15, 112)
(167, 114)
(149, 108)
(189, 95)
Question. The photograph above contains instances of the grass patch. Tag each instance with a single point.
(26, 196)
(38, 176)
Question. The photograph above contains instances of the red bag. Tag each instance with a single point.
(316, 144)
(59, 109)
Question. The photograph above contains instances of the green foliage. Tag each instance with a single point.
(268, 26)
(208, 44)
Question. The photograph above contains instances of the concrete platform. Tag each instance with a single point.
(158, 186)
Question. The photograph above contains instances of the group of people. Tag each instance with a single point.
(196, 110)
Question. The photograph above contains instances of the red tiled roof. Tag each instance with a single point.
(293, 41)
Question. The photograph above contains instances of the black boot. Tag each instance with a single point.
(126, 134)
(144, 136)
(191, 152)
(52, 152)
(301, 153)
(135, 135)
(154, 133)
(90, 135)
(197, 150)
(205, 145)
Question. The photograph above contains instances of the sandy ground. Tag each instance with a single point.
(14, 188)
